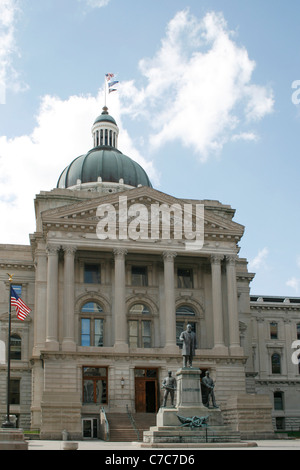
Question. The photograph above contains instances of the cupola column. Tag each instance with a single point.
(52, 299)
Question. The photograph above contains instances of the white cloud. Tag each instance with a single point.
(259, 260)
(294, 283)
(96, 3)
(9, 77)
(33, 163)
(199, 88)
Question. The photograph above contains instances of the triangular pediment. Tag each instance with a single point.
(83, 215)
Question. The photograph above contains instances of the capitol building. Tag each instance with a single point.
(107, 311)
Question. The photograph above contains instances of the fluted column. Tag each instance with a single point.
(120, 320)
(217, 301)
(68, 343)
(170, 309)
(233, 317)
(52, 299)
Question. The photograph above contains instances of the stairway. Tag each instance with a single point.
(121, 429)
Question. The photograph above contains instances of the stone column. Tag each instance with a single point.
(170, 309)
(121, 328)
(233, 317)
(52, 299)
(217, 302)
(69, 343)
(40, 303)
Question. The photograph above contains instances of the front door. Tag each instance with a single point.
(90, 428)
(146, 391)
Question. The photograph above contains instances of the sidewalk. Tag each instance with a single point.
(287, 444)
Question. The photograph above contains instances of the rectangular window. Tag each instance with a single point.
(92, 274)
(278, 401)
(185, 278)
(298, 331)
(274, 330)
(139, 276)
(85, 332)
(14, 396)
(95, 385)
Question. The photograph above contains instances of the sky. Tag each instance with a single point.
(208, 102)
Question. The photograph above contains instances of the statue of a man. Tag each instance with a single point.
(189, 346)
(209, 385)
(169, 385)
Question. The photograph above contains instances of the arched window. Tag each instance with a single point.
(276, 363)
(92, 325)
(140, 326)
(185, 314)
(15, 347)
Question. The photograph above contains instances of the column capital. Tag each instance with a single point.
(216, 258)
(69, 249)
(120, 253)
(169, 255)
(231, 259)
(52, 249)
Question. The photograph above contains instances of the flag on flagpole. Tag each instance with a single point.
(109, 76)
(21, 308)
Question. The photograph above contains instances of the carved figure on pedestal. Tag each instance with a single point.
(169, 385)
(209, 393)
(189, 346)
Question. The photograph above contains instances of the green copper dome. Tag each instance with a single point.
(109, 164)
(104, 163)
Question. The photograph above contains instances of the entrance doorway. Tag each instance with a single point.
(90, 428)
(146, 396)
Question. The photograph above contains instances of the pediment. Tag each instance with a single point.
(83, 215)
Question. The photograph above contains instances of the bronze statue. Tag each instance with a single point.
(209, 390)
(169, 385)
(189, 346)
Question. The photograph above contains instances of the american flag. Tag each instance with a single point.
(109, 76)
(21, 308)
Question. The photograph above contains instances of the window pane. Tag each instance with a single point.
(185, 310)
(133, 334)
(85, 332)
(139, 276)
(179, 330)
(100, 391)
(94, 372)
(273, 330)
(185, 278)
(92, 307)
(15, 347)
(278, 400)
(92, 273)
(276, 364)
(99, 332)
(88, 391)
(14, 397)
(298, 331)
(146, 334)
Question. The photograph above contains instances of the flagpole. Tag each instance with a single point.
(7, 423)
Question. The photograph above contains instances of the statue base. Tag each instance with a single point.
(190, 422)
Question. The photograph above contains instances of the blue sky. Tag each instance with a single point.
(204, 104)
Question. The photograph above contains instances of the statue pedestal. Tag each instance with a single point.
(170, 429)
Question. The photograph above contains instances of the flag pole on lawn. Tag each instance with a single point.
(8, 423)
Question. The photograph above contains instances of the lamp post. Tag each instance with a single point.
(8, 423)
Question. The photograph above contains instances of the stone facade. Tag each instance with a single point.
(106, 314)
